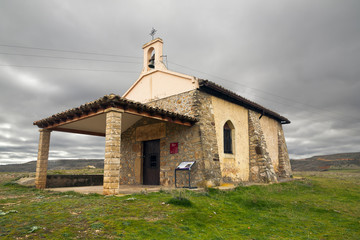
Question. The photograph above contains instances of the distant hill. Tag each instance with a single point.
(316, 163)
(54, 165)
(325, 162)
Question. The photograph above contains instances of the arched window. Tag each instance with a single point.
(228, 137)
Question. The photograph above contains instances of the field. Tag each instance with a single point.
(320, 205)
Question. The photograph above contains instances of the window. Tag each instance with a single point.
(228, 141)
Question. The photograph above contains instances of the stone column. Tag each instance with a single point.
(42, 160)
(112, 151)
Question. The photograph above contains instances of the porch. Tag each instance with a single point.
(109, 117)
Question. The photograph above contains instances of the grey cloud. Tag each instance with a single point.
(298, 58)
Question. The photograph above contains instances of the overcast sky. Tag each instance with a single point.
(300, 58)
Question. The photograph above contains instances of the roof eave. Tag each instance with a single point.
(216, 90)
(113, 101)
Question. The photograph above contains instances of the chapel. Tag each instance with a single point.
(166, 118)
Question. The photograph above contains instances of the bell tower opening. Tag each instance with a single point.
(153, 54)
(151, 58)
(155, 80)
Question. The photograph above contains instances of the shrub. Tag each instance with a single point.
(180, 199)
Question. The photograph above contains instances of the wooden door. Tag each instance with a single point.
(151, 163)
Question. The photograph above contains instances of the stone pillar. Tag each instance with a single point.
(42, 160)
(112, 151)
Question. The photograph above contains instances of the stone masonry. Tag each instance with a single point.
(260, 167)
(42, 161)
(198, 104)
(112, 151)
(182, 103)
(189, 149)
(284, 161)
(197, 143)
(205, 114)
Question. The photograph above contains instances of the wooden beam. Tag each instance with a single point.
(75, 119)
(79, 131)
(158, 117)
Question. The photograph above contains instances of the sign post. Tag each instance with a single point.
(185, 166)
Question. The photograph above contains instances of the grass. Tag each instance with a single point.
(323, 205)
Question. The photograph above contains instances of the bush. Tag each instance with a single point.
(180, 199)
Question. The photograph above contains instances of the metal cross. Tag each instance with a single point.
(152, 33)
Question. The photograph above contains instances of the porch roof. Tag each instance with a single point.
(92, 115)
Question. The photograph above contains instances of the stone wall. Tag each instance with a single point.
(284, 161)
(54, 181)
(189, 149)
(131, 157)
(199, 104)
(197, 143)
(261, 168)
(210, 160)
(182, 103)
(270, 128)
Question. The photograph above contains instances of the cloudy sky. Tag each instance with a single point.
(300, 58)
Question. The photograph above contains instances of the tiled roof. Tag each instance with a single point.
(111, 101)
(219, 91)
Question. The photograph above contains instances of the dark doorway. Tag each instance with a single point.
(151, 164)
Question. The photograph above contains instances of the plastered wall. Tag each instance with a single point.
(234, 167)
(160, 84)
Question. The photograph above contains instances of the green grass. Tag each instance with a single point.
(323, 205)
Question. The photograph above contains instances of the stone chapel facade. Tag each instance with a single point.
(166, 118)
